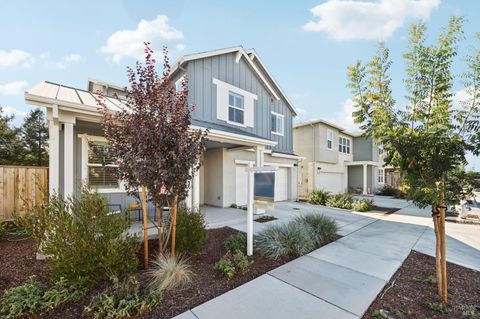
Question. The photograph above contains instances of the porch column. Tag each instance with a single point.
(68, 169)
(53, 155)
(259, 156)
(365, 179)
(196, 190)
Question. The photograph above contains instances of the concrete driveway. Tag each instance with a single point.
(340, 280)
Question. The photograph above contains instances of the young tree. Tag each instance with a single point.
(10, 143)
(35, 138)
(153, 141)
(429, 138)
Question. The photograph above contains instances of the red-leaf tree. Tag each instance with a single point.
(152, 140)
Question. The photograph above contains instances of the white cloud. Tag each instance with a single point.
(72, 58)
(15, 58)
(344, 117)
(368, 20)
(19, 115)
(180, 47)
(129, 43)
(13, 88)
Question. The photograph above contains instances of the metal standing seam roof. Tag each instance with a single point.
(63, 93)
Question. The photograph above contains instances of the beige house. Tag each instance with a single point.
(336, 160)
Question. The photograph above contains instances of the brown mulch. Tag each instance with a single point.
(410, 290)
(265, 219)
(20, 263)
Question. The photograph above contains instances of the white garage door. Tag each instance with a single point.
(331, 182)
(281, 184)
(241, 184)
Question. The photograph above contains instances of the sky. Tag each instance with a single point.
(307, 45)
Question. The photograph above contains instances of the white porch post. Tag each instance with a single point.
(259, 162)
(53, 155)
(68, 169)
(188, 200)
(365, 179)
(196, 190)
(250, 211)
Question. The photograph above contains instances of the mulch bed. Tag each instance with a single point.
(265, 219)
(411, 289)
(18, 262)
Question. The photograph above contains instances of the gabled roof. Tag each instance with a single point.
(250, 56)
(329, 123)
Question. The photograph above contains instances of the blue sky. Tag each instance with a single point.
(307, 45)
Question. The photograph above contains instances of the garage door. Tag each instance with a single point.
(241, 184)
(281, 184)
(331, 182)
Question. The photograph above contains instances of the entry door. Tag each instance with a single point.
(281, 184)
(241, 184)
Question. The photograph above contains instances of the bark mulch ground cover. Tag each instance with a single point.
(412, 292)
(206, 284)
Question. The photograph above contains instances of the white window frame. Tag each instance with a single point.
(330, 138)
(380, 150)
(85, 148)
(178, 83)
(223, 90)
(280, 117)
(348, 145)
(236, 108)
(381, 176)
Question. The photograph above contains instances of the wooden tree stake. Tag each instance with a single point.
(145, 226)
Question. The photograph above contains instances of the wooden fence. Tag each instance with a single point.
(21, 186)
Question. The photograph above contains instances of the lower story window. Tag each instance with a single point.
(381, 176)
(102, 170)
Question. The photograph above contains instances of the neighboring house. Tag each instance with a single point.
(336, 160)
(248, 116)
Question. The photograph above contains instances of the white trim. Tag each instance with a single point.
(85, 139)
(283, 123)
(347, 147)
(54, 156)
(68, 167)
(329, 131)
(289, 156)
(382, 175)
(247, 162)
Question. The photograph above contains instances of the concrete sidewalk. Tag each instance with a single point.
(339, 280)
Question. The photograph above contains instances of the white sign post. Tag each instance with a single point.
(250, 201)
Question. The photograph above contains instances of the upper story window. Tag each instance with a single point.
(236, 108)
(330, 139)
(234, 105)
(380, 150)
(344, 145)
(381, 176)
(102, 170)
(277, 123)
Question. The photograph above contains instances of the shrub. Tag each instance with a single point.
(323, 228)
(84, 244)
(388, 190)
(123, 299)
(232, 263)
(169, 272)
(3, 228)
(318, 197)
(340, 201)
(362, 205)
(191, 233)
(236, 242)
(438, 307)
(294, 238)
(34, 298)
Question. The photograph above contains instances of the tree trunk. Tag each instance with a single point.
(158, 206)
(443, 246)
(436, 219)
(174, 221)
(145, 226)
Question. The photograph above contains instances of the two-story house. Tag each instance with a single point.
(336, 160)
(248, 116)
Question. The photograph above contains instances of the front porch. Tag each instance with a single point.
(362, 176)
